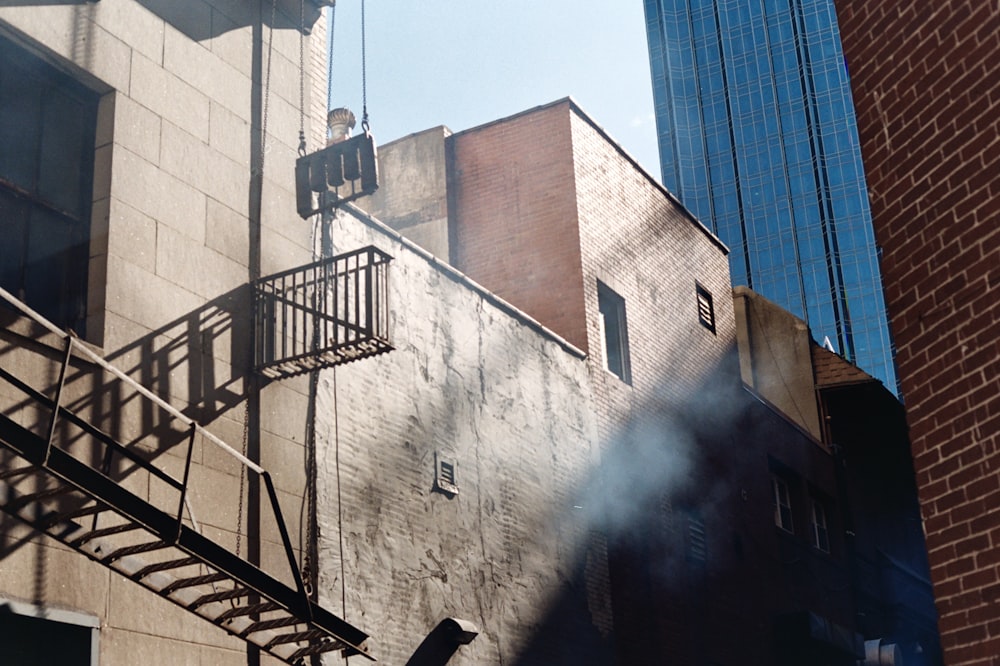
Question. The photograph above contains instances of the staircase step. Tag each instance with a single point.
(296, 637)
(328, 645)
(165, 566)
(195, 580)
(104, 531)
(24, 500)
(134, 550)
(276, 623)
(251, 609)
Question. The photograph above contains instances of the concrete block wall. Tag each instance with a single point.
(926, 83)
(171, 249)
(473, 379)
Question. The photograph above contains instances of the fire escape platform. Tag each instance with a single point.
(67, 499)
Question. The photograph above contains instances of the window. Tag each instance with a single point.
(47, 129)
(782, 504)
(614, 332)
(36, 635)
(820, 531)
(706, 311)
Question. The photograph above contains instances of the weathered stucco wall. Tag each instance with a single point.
(510, 405)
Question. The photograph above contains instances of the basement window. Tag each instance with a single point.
(33, 634)
(614, 332)
(706, 311)
(48, 125)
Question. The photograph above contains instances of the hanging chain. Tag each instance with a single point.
(267, 90)
(302, 78)
(364, 73)
(243, 476)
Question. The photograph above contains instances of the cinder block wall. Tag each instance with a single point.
(170, 261)
(926, 84)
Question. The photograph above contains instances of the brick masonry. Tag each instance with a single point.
(927, 87)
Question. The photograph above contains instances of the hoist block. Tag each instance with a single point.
(339, 173)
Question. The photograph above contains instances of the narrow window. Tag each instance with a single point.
(47, 131)
(820, 532)
(614, 332)
(706, 311)
(782, 504)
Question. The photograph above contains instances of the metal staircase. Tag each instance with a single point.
(68, 488)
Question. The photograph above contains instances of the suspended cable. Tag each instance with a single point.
(364, 72)
(302, 78)
(329, 60)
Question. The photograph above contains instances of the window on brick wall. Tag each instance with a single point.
(47, 127)
(782, 501)
(818, 524)
(614, 332)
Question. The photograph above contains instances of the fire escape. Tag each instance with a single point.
(124, 500)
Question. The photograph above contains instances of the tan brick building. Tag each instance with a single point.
(926, 83)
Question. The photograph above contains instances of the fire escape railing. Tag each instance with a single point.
(51, 486)
(322, 314)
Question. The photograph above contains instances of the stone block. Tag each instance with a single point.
(137, 128)
(192, 161)
(132, 235)
(229, 134)
(232, 42)
(199, 67)
(146, 298)
(133, 24)
(227, 232)
(159, 195)
(198, 269)
(167, 95)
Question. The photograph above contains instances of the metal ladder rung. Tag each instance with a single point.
(194, 580)
(104, 531)
(276, 623)
(240, 611)
(25, 500)
(317, 648)
(133, 550)
(67, 516)
(295, 637)
(165, 566)
(220, 596)
(17, 471)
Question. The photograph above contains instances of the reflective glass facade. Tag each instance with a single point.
(757, 137)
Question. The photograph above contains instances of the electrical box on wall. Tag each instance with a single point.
(445, 474)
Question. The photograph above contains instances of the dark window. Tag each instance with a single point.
(47, 125)
(820, 530)
(782, 504)
(614, 332)
(706, 311)
(28, 640)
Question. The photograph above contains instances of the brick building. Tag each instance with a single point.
(925, 83)
(542, 208)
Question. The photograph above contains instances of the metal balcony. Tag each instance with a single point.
(326, 313)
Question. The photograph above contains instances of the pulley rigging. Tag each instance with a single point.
(347, 168)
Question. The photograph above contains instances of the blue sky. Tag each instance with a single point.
(461, 63)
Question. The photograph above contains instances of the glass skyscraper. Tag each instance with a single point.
(757, 137)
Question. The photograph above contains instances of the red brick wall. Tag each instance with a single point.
(926, 80)
(514, 216)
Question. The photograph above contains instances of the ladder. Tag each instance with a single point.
(81, 505)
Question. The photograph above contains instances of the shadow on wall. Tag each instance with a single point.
(181, 361)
